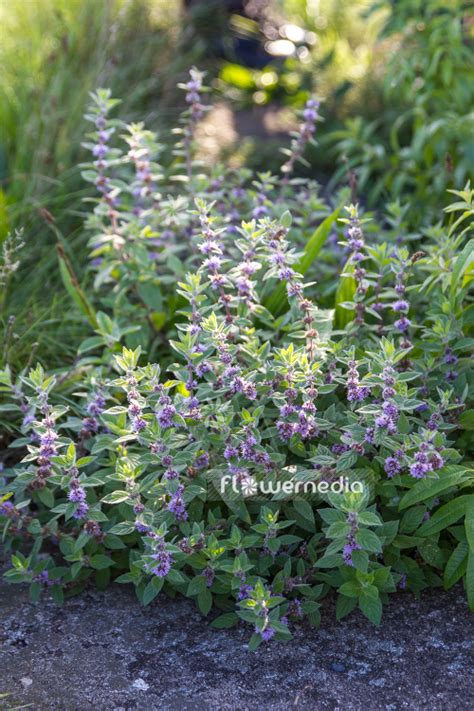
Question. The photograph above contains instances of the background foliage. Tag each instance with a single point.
(181, 304)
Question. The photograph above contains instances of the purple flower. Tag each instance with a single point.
(77, 494)
(351, 544)
(286, 410)
(382, 421)
(285, 429)
(244, 591)
(266, 634)
(347, 551)
(100, 150)
(401, 305)
(250, 391)
(390, 410)
(176, 504)
(202, 368)
(138, 424)
(165, 416)
(355, 392)
(436, 460)
(81, 510)
(230, 452)
(449, 357)
(48, 438)
(402, 324)
(392, 466)
(7, 508)
(369, 435)
(164, 561)
(96, 405)
(171, 474)
(434, 421)
(202, 461)
(213, 263)
(259, 211)
(277, 258)
(339, 448)
(418, 470)
(209, 574)
(141, 527)
(295, 608)
(43, 578)
(134, 408)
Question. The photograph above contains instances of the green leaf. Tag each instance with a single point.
(462, 263)
(35, 592)
(328, 561)
(431, 553)
(371, 607)
(345, 292)
(445, 516)
(304, 509)
(470, 580)
(360, 560)
(102, 578)
(113, 542)
(466, 420)
(412, 518)
(369, 519)
(204, 600)
(276, 302)
(176, 577)
(350, 589)
(317, 241)
(73, 286)
(116, 497)
(100, 561)
(338, 529)
(344, 606)
(456, 565)
(122, 528)
(469, 523)
(57, 594)
(152, 590)
(368, 541)
(46, 497)
(229, 619)
(197, 585)
(255, 641)
(428, 488)
(286, 219)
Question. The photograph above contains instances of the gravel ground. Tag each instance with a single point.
(102, 651)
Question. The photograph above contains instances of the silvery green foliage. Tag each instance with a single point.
(171, 472)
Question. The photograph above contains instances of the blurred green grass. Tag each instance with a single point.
(53, 53)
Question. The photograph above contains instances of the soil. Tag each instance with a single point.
(103, 651)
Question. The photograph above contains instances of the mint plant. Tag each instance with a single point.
(289, 439)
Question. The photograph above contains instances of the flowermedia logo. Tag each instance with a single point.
(247, 485)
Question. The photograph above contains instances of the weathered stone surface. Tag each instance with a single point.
(102, 651)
